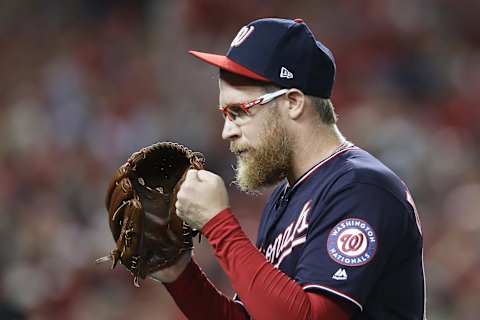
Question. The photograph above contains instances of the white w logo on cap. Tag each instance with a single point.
(242, 35)
(285, 73)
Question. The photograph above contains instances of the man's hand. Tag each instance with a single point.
(202, 195)
(170, 274)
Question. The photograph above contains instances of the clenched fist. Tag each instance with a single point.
(202, 195)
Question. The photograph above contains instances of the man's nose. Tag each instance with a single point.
(230, 130)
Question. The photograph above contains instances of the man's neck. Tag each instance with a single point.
(313, 149)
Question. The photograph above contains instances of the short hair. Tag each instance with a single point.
(324, 107)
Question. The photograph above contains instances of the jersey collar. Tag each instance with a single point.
(310, 172)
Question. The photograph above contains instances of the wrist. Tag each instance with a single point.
(211, 216)
(216, 220)
(172, 273)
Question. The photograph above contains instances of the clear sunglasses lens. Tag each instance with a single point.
(235, 112)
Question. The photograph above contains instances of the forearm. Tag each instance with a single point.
(266, 291)
(198, 298)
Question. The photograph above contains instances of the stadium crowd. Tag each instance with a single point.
(85, 83)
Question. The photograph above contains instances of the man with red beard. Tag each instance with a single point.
(339, 237)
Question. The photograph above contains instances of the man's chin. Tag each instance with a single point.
(248, 188)
(243, 179)
(250, 181)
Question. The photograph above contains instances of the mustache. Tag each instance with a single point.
(237, 148)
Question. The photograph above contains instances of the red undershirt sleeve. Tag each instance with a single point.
(198, 298)
(266, 292)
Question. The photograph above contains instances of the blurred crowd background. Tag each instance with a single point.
(83, 83)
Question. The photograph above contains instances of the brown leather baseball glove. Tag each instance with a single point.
(141, 209)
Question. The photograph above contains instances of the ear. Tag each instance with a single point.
(296, 103)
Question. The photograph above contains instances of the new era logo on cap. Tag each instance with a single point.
(285, 73)
(262, 49)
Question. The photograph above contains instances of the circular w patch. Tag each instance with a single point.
(352, 242)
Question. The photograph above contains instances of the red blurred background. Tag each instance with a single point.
(85, 83)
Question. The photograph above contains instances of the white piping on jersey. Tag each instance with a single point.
(241, 304)
(424, 290)
(318, 165)
(334, 292)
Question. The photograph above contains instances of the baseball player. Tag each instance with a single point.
(339, 237)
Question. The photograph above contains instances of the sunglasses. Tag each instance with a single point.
(237, 111)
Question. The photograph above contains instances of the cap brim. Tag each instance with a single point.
(227, 64)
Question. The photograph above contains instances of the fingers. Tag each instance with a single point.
(189, 185)
(200, 175)
(204, 175)
(178, 208)
(198, 193)
(196, 180)
(191, 178)
(192, 175)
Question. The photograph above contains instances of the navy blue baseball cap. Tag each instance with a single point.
(280, 51)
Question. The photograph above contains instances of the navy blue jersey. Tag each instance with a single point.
(348, 228)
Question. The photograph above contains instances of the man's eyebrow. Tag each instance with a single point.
(228, 105)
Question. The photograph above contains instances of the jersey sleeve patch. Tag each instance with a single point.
(352, 242)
